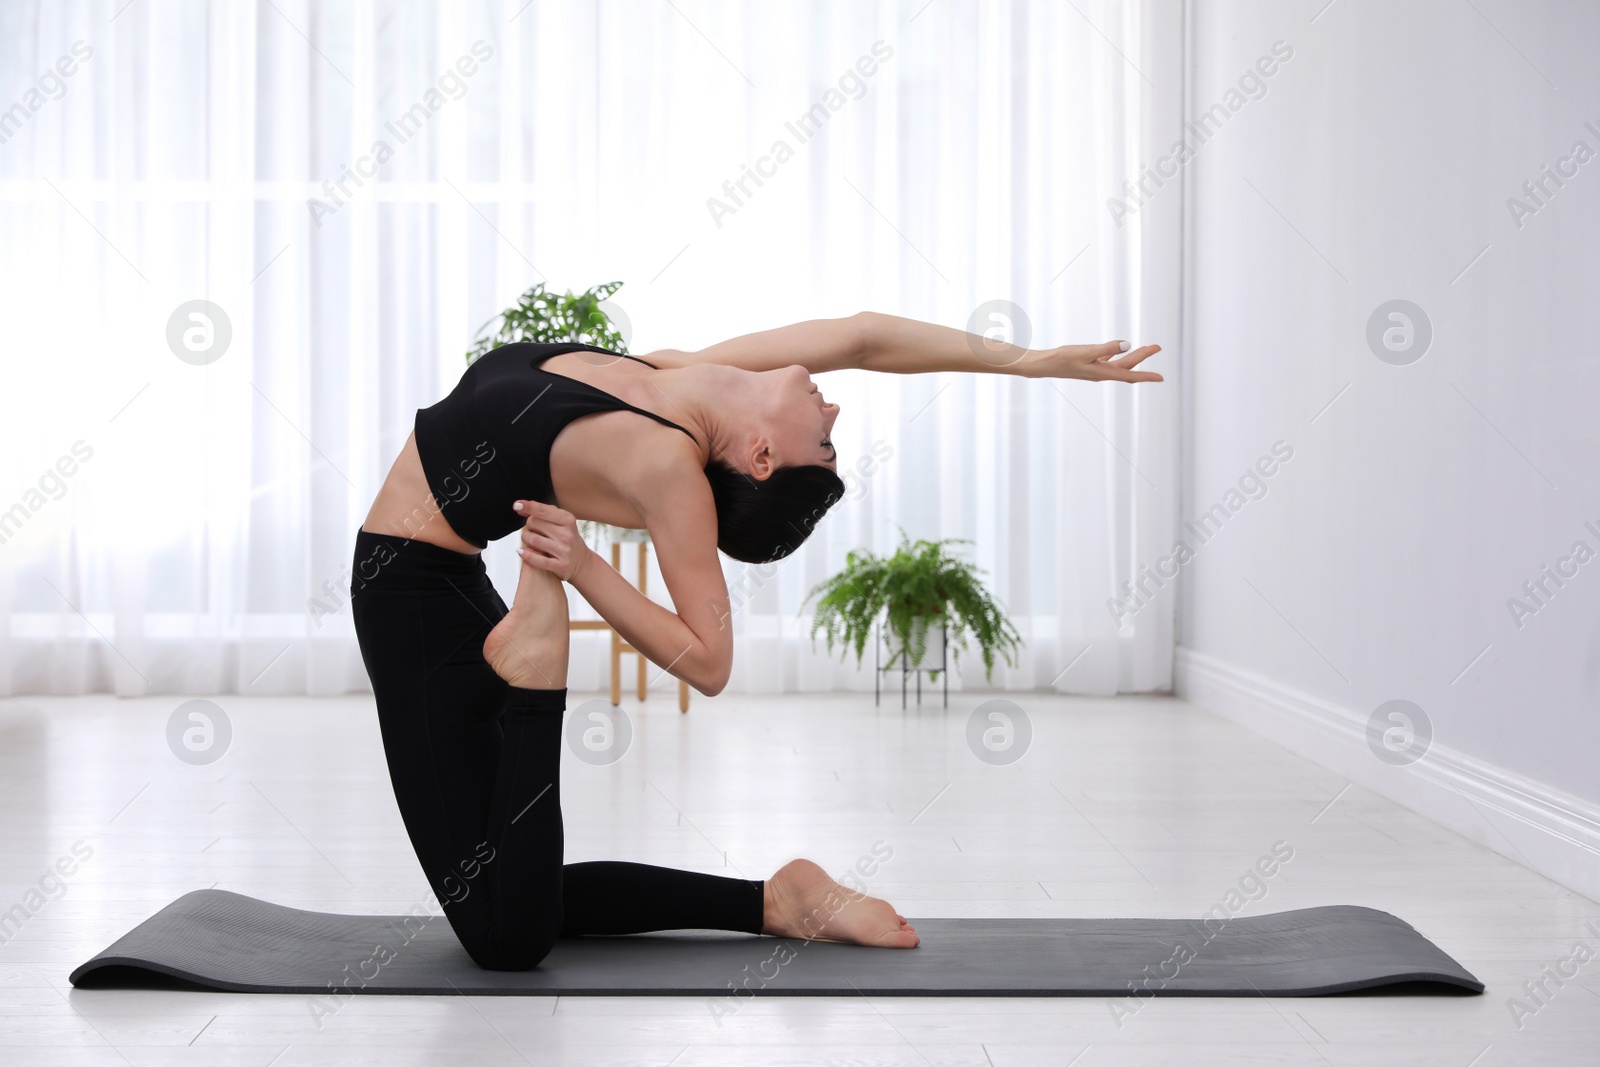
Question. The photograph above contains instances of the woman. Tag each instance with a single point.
(733, 452)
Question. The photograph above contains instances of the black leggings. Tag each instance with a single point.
(475, 765)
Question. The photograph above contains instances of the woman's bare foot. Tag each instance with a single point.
(802, 901)
(528, 648)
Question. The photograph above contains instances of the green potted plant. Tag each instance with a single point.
(911, 591)
(548, 318)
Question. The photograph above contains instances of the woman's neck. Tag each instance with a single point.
(703, 398)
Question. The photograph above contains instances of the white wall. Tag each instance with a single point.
(1380, 561)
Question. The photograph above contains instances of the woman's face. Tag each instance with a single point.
(797, 421)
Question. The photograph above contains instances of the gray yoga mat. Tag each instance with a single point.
(225, 941)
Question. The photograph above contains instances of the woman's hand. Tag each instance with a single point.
(550, 540)
(1090, 363)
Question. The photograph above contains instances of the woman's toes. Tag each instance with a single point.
(805, 901)
(899, 939)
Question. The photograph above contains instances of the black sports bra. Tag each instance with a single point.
(487, 444)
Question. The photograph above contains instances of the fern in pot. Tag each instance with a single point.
(918, 587)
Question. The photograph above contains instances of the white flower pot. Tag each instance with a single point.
(933, 651)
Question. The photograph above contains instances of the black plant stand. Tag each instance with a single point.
(905, 671)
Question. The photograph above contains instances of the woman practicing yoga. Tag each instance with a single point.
(732, 452)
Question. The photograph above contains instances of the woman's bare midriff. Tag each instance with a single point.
(405, 506)
(585, 461)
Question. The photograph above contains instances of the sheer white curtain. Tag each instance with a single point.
(358, 186)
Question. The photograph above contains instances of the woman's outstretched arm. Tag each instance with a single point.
(817, 345)
(890, 344)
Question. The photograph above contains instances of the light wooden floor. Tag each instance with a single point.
(1132, 806)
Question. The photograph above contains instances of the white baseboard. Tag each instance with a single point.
(1553, 833)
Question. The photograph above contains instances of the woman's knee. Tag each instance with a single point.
(519, 950)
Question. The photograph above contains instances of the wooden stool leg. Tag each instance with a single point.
(643, 679)
(616, 639)
(683, 696)
(616, 669)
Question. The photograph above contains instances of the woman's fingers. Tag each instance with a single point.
(1136, 357)
(1116, 353)
(1120, 369)
(533, 510)
(538, 562)
(1133, 359)
(535, 540)
(558, 551)
(1111, 372)
(543, 528)
(1108, 361)
(551, 523)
